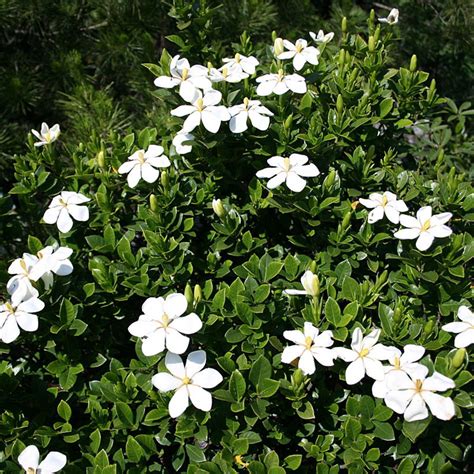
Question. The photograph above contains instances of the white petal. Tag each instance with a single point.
(127, 166)
(175, 305)
(324, 356)
(238, 123)
(376, 214)
(308, 171)
(456, 327)
(381, 352)
(392, 214)
(424, 241)
(357, 338)
(379, 389)
(179, 402)
(192, 121)
(276, 180)
(465, 314)
(423, 214)
(369, 203)
(27, 322)
(374, 368)
(345, 354)
(154, 344)
(440, 231)
(438, 383)
(416, 409)
(142, 328)
(29, 457)
(31, 305)
(64, 222)
(134, 176)
(412, 353)
(291, 353)
(200, 398)
(442, 218)
(176, 342)
(409, 221)
(441, 407)
(207, 378)
(294, 182)
(398, 400)
(464, 339)
(153, 151)
(51, 215)
(166, 82)
(149, 174)
(189, 324)
(266, 88)
(174, 364)
(294, 336)
(183, 110)
(165, 382)
(355, 371)
(259, 121)
(299, 60)
(306, 363)
(407, 234)
(267, 172)
(195, 362)
(210, 121)
(53, 462)
(295, 292)
(187, 90)
(80, 213)
(10, 330)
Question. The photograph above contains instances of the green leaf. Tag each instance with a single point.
(385, 107)
(237, 385)
(95, 438)
(332, 311)
(261, 370)
(133, 449)
(406, 466)
(125, 414)
(414, 429)
(450, 449)
(384, 431)
(124, 251)
(195, 454)
(240, 446)
(64, 410)
(293, 461)
(267, 387)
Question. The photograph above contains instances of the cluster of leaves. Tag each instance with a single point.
(81, 386)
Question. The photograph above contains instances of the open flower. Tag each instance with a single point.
(13, 317)
(188, 78)
(384, 204)
(162, 326)
(300, 52)
(248, 64)
(251, 109)
(189, 382)
(424, 227)
(143, 165)
(290, 170)
(29, 461)
(463, 329)
(280, 83)
(392, 17)
(406, 362)
(203, 109)
(321, 37)
(47, 135)
(179, 142)
(310, 283)
(49, 261)
(410, 393)
(364, 356)
(65, 206)
(309, 345)
(228, 73)
(19, 286)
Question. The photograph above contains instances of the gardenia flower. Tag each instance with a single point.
(49, 261)
(279, 84)
(203, 109)
(463, 329)
(410, 393)
(47, 135)
(65, 206)
(189, 78)
(29, 461)
(19, 286)
(247, 64)
(228, 73)
(321, 37)
(290, 170)
(189, 382)
(364, 356)
(22, 315)
(310, 283)
(384, 204)
(300, 52)
(309, 345)
(178, 142)
(424, 228)
(251, 109)
(405, 362)
(162, 325)
(142, 165)
(392, 17)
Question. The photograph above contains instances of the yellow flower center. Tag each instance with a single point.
(426, 225)
(31, 470)
(62, 202)
(237, 58)
(286, 164)
(363, 352)
(165, 319)
(246, 102)
(24, 267)
(47, 137)
(185, 74)
(9, 308)
(141, 157)
(308, 342)
(384, 201)
(186, 381)
(396, 364)
(281, 75)
(225, 71)
(299, 47)
(200, 104)
(418, 385)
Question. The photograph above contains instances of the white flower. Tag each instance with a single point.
(49, 261)
(310, 283)
(22, 315)
(143, 165)
(424, 228)
(203, 109)
(392, 18)
(463, 329)
(162, 326)
(248, 64)
(301, 53)
(251, 109)
(65, 206)
(364, 357)
(218, 208)
(410, 393)
(321, 37)
(279, 84)
(179, 142)
(290, 170)
(19, 286)
(189, 382)
(228, 73)
(189, 78)
(405, 362)
(47, 135)
(384, 204)
(309, 345)
(29, 461)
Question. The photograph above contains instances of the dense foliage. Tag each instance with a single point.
(81, 385)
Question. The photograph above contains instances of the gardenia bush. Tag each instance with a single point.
(273, 278)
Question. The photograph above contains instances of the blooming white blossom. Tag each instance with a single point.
(463, 329)
(424, 227)
(409, 393)
(392, 17)
(51, 260)
(406, 362)
(258, 114)
(310, 283)
(384, 204)
(143, 165)
(248, 64)
(203, 109)
(47, 135)
(65, 206)
(364, 356)
(188, 78)
(161, 325)
(189, 382)
(13, 317)
(290, 170)
(19, 286)
(29, 461)
(301, 53)
(321, 37)
(309, 345)
(280, 83)
(228, 73)
(179, 140)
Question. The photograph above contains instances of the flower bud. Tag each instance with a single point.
(346, 221)
(428, 327)
(344, 25)
(313, 266)
(298, 377)
(377, 34)
(197, 293)
(153, 203)
(278, 47)
(342, 55)
(288, 122)
(274, 35)
(218, 208)
(339, 104)
(101, 159)
(371, 44)
(188, 294)
(458, 358)
(81, 147)
(372, 17)
(432, 86)
(310, 283)
(330, 178)
(165, 179)
(413, 63)
(397, 315)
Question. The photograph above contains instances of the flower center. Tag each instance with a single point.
(299, 47)
(200, 104)
(286, 164)
(308, 342)
(62, 202)
(237, 58)
(246, 103)
(9, 308)
(24, 267)
(141, 157)
(165, 320)
(47, 137)
(185, 74)
(225, 71)
(281, 75)
(363, 352)
(426, 225)
(186, 380)
(418, 385)
(31, 470)
(396, 364)
(384, 201)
